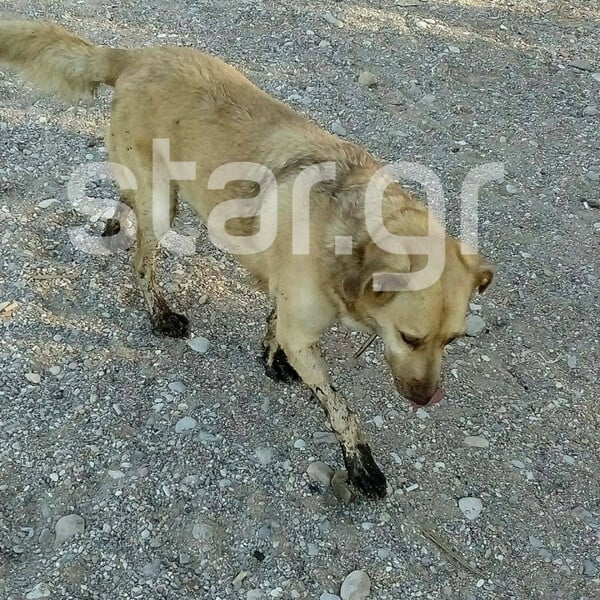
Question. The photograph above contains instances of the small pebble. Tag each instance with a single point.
(319, 471)
(202, 531)
(589, 568)
(47, 203)
(338, 128)
(535, 542)
(264, 456)
(332, 20)
(517, 463)
(476, 441)
(367, 79)
(116, 474)
(67, 527)
(324, 437)
(199, 344)
(356, 586)
(470, 507)
(41, 590)
(328, 596)
(454, 49)
(590, 111)
(185, 424)
(475, 325)
(32, 377)
(300, 444)
(593, 175)
(177, 386)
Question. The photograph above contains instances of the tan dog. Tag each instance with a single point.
(212, 115)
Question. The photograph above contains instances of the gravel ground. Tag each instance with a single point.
(184, 474)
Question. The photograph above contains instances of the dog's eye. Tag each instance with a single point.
(411, 340)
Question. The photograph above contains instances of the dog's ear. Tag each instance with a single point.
(361, 281)
(482, 271)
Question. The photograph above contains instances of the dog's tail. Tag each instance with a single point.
(57, 61)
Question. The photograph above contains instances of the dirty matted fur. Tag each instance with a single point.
(212, 115)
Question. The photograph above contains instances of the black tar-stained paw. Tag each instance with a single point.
(364, 474)
(280, 369)
(172, 325)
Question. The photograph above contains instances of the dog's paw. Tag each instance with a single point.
(363, 472)
(279, 368)
(172, 325)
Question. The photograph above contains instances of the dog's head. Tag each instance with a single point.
(415, 324)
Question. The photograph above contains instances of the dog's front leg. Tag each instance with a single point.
(305, 357)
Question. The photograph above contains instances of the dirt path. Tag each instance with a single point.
(90, 399)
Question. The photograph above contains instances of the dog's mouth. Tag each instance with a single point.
(437, 397)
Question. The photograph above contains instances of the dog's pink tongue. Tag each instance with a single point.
(437, 397)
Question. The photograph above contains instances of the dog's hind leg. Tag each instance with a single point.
(274, 359)
(304, 356)
(165, 321)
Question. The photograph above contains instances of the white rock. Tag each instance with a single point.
(202, 531)
(324, 437)
(67, 527)
(517, 463)
(185, 424)
(33, 377)
(54, 370)
(300, 444)
(264, 455)
(199, 344)
(378, 421)
(475, 325)
(367, 79)
(47, 203)
(476, 441)
(356, 586)
(328, 596)
(41, 590)
(255, 595)
(470, 507)
(454, 49)
(572, 361)
(319, 471)
(332, 20)
(177, 386)
(116, 474)
(338, 128)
